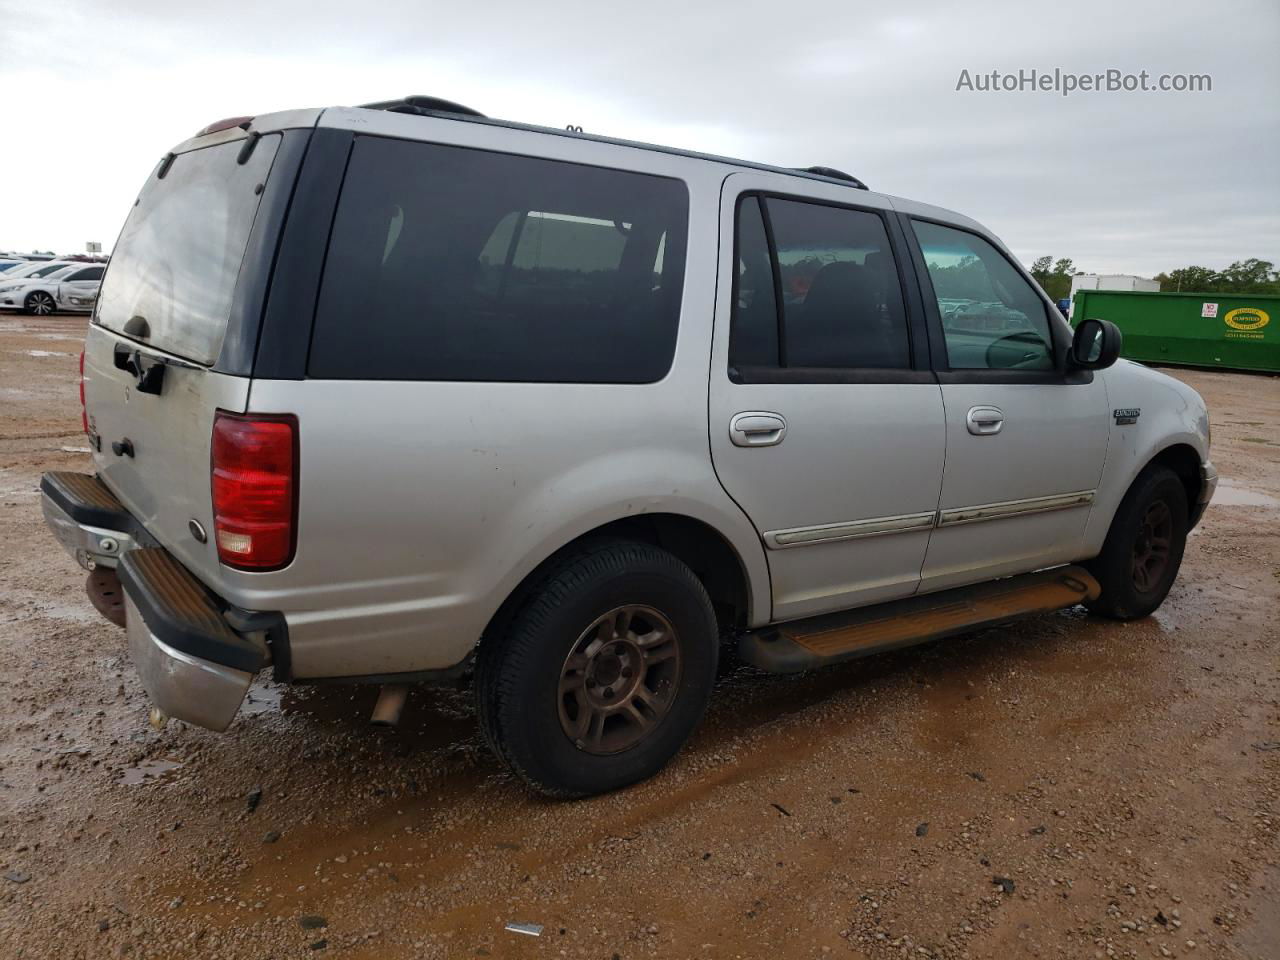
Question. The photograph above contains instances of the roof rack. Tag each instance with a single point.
(834, 174)
(423, 106)
(438, 107)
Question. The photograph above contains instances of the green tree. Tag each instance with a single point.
(1244, 276)
(1249, 276)
(1065, 267)
(1041, 269)
(1191, 280)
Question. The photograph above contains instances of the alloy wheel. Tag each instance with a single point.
(619, 680)
(1152, 545)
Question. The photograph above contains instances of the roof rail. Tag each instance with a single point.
(423, 106)
(834, 174)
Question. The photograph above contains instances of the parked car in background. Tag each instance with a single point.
(33, 269)
(72, 287)
(396, 393)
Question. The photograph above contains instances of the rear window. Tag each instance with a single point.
(174, 268)
(448, 263)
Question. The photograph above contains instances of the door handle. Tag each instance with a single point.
(985, 421)
(757, 429)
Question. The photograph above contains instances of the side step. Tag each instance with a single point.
(819, 641)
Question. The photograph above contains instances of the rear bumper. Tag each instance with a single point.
(193, 663)
(87, 519)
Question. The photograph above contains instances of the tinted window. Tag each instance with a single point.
(176, 263)
(991, 316)
(841, 299)
(47, 269)
(448, 263)
(92, 273)
(753, 332)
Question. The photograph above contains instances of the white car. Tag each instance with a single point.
(72, 287)
(28, 269)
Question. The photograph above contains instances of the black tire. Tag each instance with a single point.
(1131, 586)
(522, 673)
(39, 303)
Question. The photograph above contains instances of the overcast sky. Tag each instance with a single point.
(95, 92)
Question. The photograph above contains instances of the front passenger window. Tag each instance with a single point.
(992, 318)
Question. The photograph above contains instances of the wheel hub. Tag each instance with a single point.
(1151, 546)
(619, 680)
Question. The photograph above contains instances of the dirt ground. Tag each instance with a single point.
(1063, 788)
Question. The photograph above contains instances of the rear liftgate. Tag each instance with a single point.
(819, 641)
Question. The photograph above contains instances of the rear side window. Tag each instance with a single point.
(448, 263)
(841, 301)
(91, 273)
(173, 271)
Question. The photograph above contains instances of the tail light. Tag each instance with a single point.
(255, 489)
(84, 411)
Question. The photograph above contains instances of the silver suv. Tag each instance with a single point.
(400, 394)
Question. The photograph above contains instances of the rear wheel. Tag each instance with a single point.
(603, 673)
(40, 303)
(1143, 549)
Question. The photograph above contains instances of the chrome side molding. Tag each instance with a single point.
(1015, 508)
(914, 522)
(827, 532)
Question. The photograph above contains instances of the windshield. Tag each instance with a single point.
(173, 272)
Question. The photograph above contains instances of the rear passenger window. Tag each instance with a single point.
(841, 301)
(449, 263)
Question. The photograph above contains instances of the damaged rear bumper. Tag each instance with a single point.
(191, 663)
(195, 654)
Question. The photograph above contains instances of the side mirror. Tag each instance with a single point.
(1096, 344)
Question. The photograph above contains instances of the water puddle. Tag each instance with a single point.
(1229, 495)
(149, 771)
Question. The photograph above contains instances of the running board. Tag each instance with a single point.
(819, 641)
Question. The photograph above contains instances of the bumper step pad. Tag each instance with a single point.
(180, 612)
(87, 500)
(819, 641)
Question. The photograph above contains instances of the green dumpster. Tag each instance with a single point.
(1232, 331)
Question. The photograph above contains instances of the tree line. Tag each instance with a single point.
(1243, 276)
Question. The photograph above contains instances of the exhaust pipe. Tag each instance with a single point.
(391, 698)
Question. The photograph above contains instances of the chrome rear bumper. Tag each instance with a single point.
(183, 686)
(194, 665)
(91, 546)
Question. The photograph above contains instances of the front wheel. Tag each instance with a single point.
(603, 674)
(1143, 549)
(40, 303)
